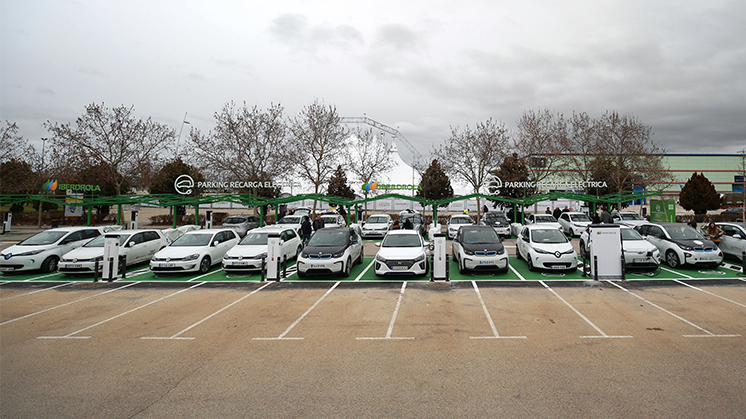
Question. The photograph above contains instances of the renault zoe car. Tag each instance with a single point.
(680, 244)
(136, 245)
(545, 247)
(252, 249)
(402, 252)
(479, 248)
(331, 250)
(638, 252)
(457, 221)
(195, 251)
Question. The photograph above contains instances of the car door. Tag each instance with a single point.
(523, 242)
(153, 243)
(72, 241)
(135, 248)
(657, 237)
(356, 245)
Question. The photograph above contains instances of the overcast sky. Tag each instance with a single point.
(422, 66)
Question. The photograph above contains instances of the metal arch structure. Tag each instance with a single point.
(387, 129)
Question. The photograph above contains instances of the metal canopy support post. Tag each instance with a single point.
(119, 215)
(173, 209)
(261, 216)
(196, 214)
(90, 214)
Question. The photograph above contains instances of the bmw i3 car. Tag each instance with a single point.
(195, 251)
(479, 248)
(331, 250)
(402, 252)
(249, 253)
(545, 247)
(680, 244)
(498, 221)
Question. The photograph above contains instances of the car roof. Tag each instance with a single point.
(736, 223)
(540, 227)
(460, 216)
(208, 230)
(272, 227)
(139, 230)
(71, 228)
(404, 232)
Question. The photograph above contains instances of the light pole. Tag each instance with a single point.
(41, 171)
(183, 121)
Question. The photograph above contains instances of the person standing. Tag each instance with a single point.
(606, 216)
(714, 232)
(305, 229)
(548, 211)
(557, 212)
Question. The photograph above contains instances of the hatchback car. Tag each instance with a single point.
(680, 244)
(377, 225)
(457, 221)
(402, 252)
(733, 240)
(241, 223)
(573, 223)
(543, 219)
(331, 250)
(479, 248)
(333, 220)
(545, 247)
(627, 218)
(195, 251)
(498, 221)
(136, 245)
(43, 251)
(638, 252)
(292, 221)
(417, 220)
(252, 249)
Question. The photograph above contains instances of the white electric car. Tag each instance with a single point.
(402, 252)
(330, 251)
(252, 249)
(733, 241)
(457, 221)
(195, 251)
(498, 221)
(680, 244)
(573, 223)
(545, 247)
(627, 218)
(377, 225)
(333, 220)
(136, 245)
(638, 252)
(479, 248)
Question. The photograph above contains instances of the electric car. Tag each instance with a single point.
(638, 252)
(479, 248)
(402, 252)
(136, 245)
(545, 247)
(331, 250)
(680, 244)
(457, 221)
(293, 221)
(628, 218)
(241, 223)
(195, 251)
(418, 222)
(333, 220)
(545, 220)
(498, 221)
(43, 251)
(252, 249)
(377, 225)
(733, 241)
(573, 223)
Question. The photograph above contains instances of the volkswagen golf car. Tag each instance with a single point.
(402, 252)
(331, 250)
(136, 245)
(638, 252)
(195, 251)
(545, 247)
(252, 249)
(479, 248)
(377, 225)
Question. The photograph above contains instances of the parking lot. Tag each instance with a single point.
(523, 345)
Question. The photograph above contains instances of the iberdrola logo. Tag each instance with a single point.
(51, 185)
(372, 186)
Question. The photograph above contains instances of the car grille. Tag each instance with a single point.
(167, 259)
(392, 263)
(320, 256)
(486, 253)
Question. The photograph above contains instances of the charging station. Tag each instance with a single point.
(274, 257)
(111, 256)
(440, 258)
(7, 219)
(208, 219)
(606, 252)
(133, 219)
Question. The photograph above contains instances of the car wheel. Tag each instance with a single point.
(360, 258)
(122, 266)
(348, 268)
(461, 268)
(297, 252)
(672, 259)
(518, 254)
(503, 270)
(530, 263)
(49, 264)
(204, 265)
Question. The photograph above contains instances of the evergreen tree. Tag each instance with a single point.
(435, 184)
(699, 195)
(338, 185)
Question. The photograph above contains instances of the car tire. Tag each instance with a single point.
(359, 260)
(204, 265)
(503, 270)
(672, 259)
(518, 254)
(297, 252)
(122, 266)
(301, 274)
(347, 268)
(530, 264)
(461, 268)
(49, 264)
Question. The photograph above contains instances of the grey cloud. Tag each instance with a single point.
(297, 31)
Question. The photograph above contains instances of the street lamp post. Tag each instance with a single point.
(183, 121)
(43, 144)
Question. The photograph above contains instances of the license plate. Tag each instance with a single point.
(166, 265)
(639, 260)
(240, 263)
(399, 268)
(556, 267)
(486, 262)
(6, 269)
(73, 265)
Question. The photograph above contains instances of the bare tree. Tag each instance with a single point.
(15, 147)
(580, 146)
(114, 138)
(370, 157)
(320, 143)
(538, 141)
(247, 144)
(470, 155)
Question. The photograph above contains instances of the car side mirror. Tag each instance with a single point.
(215, 243)
(130, 244)
(378, 244)
(736, 236)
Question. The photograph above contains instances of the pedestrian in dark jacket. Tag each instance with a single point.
(318, 223)
(557, 212)
(306, 229)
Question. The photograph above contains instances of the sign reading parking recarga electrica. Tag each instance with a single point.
(184, 184)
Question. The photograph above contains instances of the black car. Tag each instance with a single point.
(733, 211)
(418, 221)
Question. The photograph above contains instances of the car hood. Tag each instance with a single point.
(376, 226)
(632, 223)
(247, 250)
(179, 251)
(87, 253)
(555, 225)
(476, 247)
(403, 253)
(16, 249)
(553, 247)
(638, 246)
(315, 250)
(695, 243)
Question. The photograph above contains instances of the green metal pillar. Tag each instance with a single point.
(119, 214)
(523, 215)
(435, 215)
(90, 214)
(348, 215)
(261, 216)
(277, 206)
(173, 209)
(196, 214)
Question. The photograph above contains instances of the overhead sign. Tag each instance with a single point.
(52, 185)
(184, 184)
(372, 186)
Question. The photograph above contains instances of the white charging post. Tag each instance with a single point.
(7, 219)
(133, 220)
(440, 258)
(606, 252)
(208, 219)
(274, 257)
(111, 257)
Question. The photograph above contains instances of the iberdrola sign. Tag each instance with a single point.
(372, 186)
(52, 185)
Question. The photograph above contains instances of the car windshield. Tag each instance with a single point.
(45, 237)
(329, 238)
(289, 220)
(99, 241)
(461, 220)
(629, 234)
(378, 219)
(480, 236)
(401, 240)
(254, 238)
(411, 217)
(545, 219)
(631, 216)
(494, 217)
(683, 232)
(329, 220)
(549, 235)
(235, 220)
(193, 240)
(580, 217)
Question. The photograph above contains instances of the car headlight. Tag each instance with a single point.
(469, 252)
(98, 258)
(261, 255)
(543, 252)
(35, 252)
(381, 258)
(420, 258)
(501, 251)
(689, 248)
(192, 257)
(338, 254)
(304, 255)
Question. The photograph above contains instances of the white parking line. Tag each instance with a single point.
(365, 270)
(708, 333)
(710, 293)
(677, 273)
(393, 319)
(282, 335)
(176, 336)
(495, 335)
(34, 292)
(40, 277)
(516, 272)
(204, 275)
(601, 332)
(67, 304)
(70, 336)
